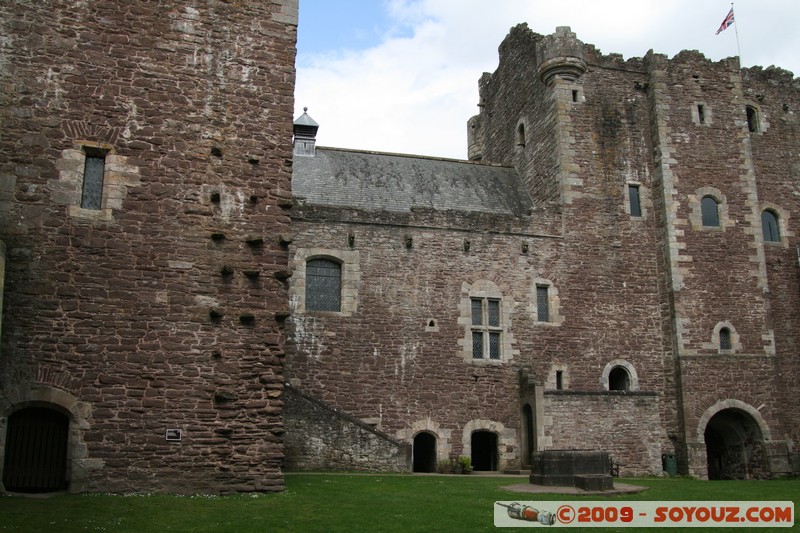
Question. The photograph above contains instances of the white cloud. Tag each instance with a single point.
(414, 94)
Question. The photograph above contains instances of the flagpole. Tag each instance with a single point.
(736, 29)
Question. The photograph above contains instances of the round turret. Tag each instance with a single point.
(560, 54)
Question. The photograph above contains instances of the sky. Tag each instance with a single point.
(402, 75)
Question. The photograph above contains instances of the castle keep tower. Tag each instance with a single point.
(144, 183)
(665, 173)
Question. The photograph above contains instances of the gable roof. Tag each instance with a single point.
(394, 182)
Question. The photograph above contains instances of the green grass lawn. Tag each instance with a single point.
(347, 503)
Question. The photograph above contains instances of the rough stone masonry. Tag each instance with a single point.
(150, 321)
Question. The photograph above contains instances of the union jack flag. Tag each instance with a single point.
(727, 22)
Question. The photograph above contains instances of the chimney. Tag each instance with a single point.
(305, 134)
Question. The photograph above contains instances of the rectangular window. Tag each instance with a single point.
(93, 174)
(323, 285)
(633, 196)
(486, 328)
(542, 304)
(494, 345)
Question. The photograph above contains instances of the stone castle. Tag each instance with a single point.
(196, 296)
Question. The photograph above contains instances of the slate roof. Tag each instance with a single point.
(395, 182)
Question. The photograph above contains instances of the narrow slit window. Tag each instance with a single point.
(542, 303)
(701, 113)
(559, 379)
(93, 176)
(752, 119)
(633, 197)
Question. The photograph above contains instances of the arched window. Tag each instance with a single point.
(323, 285)
(769, 225)
(618, 379)
(521, 135)
(752, 119)
(725, 339)
(709, 209)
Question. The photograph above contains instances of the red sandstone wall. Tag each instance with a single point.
(107, 312)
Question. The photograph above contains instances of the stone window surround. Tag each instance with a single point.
(696, 215)
(644, 199)
(351, 275)
(67, 189)
(553, 301)
(761, 120)
(783, 224)
(736, 345)
(485, 327)
(633, 382)
(707, 115)
(551, 383)
(487, 290)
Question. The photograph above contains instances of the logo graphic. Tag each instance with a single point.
(529, 514)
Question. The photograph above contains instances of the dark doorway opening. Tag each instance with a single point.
(36, 451)
(529, 445)
(618, 379)
(734, 446)
(484, 451)
(424, 452)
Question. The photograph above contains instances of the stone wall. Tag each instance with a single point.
(320, 438)
(163, 308)
(648, 292)
(626, 425)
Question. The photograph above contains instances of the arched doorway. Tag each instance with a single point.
(734, 446)
(618, 379)
(424, 451)
(484, 451)
(529, 444)
(36, 450)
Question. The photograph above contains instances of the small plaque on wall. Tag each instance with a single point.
(174, 434)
